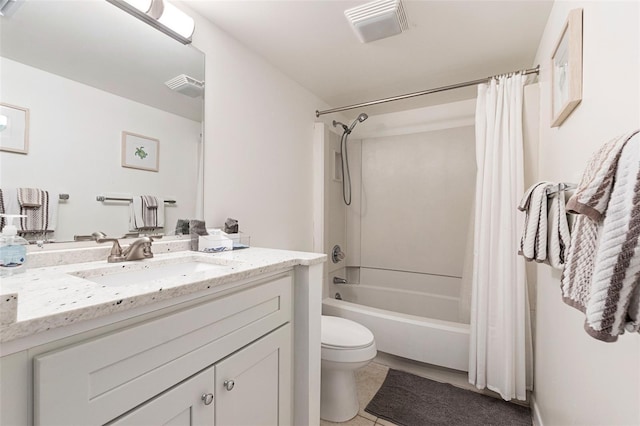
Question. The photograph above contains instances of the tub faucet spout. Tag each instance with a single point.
(338, 280)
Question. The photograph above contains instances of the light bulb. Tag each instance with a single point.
(142, 5)
(177, 20)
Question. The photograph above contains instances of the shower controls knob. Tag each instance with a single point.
(229, 384)
(337, 254)
(207, 398)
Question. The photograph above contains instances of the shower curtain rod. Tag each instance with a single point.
(535, 70)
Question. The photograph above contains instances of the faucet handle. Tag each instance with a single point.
(116, 250)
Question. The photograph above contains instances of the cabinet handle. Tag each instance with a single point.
(229, 384)
(207, 398)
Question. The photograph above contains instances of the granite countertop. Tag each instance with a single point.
(55, 296)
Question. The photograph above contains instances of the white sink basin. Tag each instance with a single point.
(136, 273)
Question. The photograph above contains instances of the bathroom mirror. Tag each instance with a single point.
(89, 73)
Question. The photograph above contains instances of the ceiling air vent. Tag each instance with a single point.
(377, 19)
(186, 85)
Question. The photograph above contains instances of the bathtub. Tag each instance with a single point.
(436, 339)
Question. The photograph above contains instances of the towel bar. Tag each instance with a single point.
(103, 198)
(562, 186)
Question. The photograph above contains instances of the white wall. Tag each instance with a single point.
(417, 192)
(579, 380)
(259, 128)
(75, 148)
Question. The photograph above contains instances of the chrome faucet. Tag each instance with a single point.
(338, 280)
(139, 249)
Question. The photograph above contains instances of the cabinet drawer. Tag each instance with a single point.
(95, 381)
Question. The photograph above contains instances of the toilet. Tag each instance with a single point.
(346, 347)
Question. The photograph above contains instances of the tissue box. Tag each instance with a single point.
(214, 243)
(239, 239)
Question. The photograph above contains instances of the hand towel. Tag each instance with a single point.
(533, 244)
(617, 263)
(559, 238)
(38, 207)
(150, 201)
(30, 197)
(149, 211)
(603, 264)
(143, 218)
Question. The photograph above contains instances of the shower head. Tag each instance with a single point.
(360, 119)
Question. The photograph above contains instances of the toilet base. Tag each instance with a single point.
(339, 398)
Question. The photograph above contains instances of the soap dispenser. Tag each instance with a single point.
(13, 248)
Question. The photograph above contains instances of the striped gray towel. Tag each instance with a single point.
(34, 205)
(559, 238)
(602, 274)
(149, 211)
(533, 244)
(30, 197)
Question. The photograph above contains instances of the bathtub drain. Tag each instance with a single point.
(338, 297)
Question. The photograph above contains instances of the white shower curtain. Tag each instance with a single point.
(500, 341)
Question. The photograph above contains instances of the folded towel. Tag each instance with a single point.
(533, 244)
(38, 219)
(30, 197)
(559, 238)
(141, 217)
(149, 212)
(149, 201)
(603, 265)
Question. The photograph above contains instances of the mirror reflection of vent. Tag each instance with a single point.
(186, 85)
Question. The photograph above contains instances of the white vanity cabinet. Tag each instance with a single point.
(250, 387)
(236, 348)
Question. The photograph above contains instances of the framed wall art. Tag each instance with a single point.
(14, 129)
(140, 152)
(566, 69)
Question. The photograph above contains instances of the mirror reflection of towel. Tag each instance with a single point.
(149, 211)
(34, 204)
(40, 207)
(30, 197)
(144, 217)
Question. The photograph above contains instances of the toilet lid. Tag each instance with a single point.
(343, 333)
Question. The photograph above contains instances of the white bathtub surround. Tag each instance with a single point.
(428, 340)
(500, 342)
(423, 295)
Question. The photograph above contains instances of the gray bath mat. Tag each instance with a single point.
(409, 400)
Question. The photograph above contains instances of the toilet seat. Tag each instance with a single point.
(341, 333)
(346, 341)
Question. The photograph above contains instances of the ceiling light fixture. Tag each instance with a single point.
(161, 15)
(378, 19)
(9, 7)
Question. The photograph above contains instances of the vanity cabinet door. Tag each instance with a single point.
(253, 386)
(189, 403)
